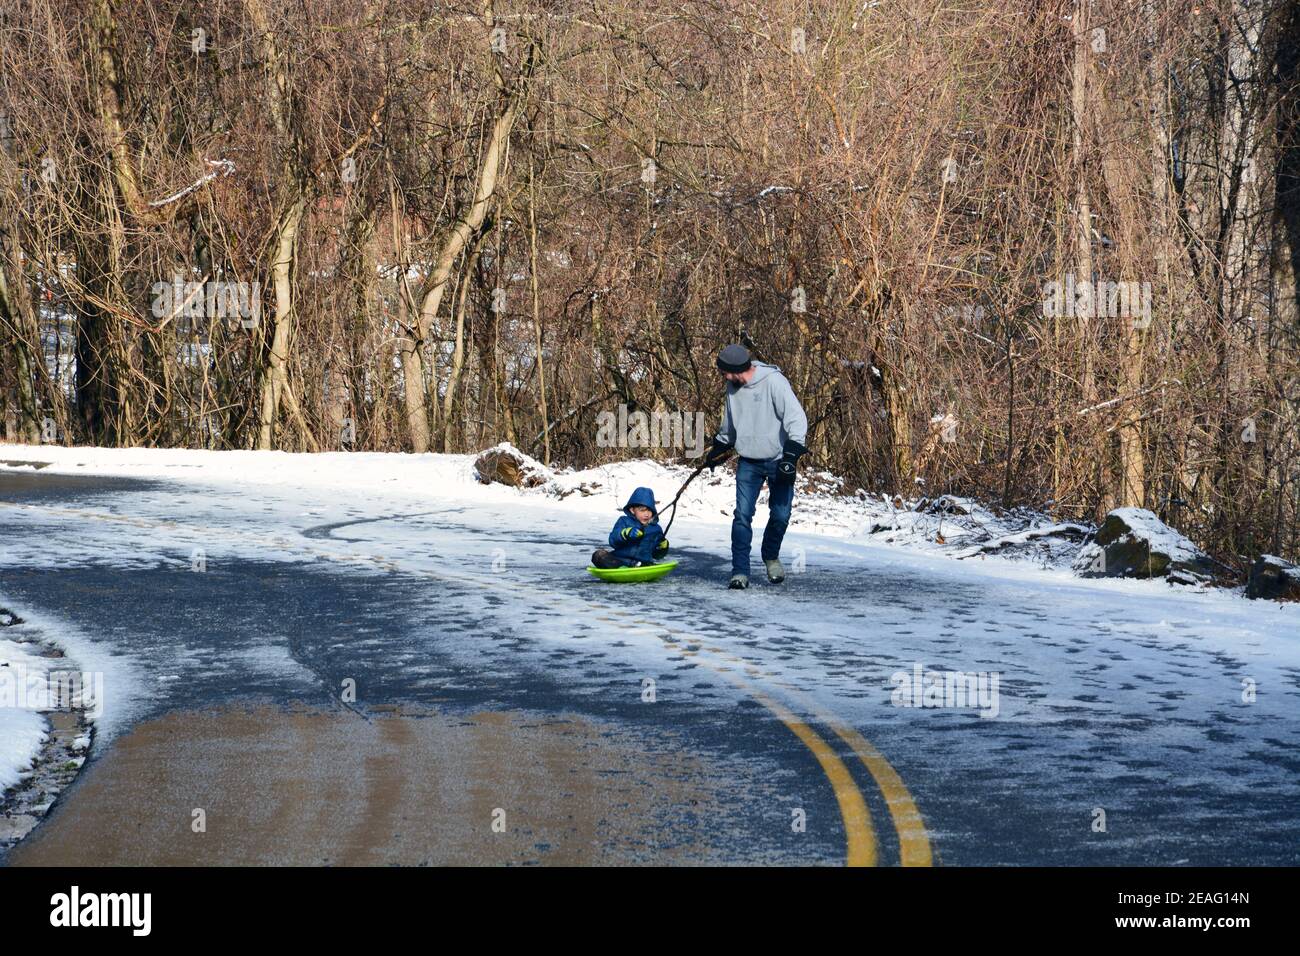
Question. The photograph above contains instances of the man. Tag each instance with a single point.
(766, 426)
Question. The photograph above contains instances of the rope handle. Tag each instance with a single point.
(673, 504)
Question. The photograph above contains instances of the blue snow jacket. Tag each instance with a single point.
(627, 544)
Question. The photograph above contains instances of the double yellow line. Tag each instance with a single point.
(913, 841)
(860, 836)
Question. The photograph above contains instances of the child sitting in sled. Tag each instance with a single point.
(637, 538)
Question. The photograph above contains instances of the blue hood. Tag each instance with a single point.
(642, 496)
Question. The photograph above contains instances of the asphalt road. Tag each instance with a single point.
(309, 708)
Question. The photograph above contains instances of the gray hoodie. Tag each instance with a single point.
(759, 416)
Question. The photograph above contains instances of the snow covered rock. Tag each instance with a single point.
(1134, 543)
(946, 504)
(1049, 544)
(507, 465)
(1273, 579)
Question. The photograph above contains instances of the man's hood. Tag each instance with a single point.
(761, 371)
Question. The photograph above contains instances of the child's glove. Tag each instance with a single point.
(785, 469)
(631, 534)
(661, 548)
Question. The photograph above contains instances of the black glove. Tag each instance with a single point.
(717, 453)
(661, 548)
(789, 458)
(632, 534)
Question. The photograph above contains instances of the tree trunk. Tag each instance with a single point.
(284, 246)
(465, 227)
(1079, 107)
(458, 354)
(275, 376)
(18, 318)
(537, 317)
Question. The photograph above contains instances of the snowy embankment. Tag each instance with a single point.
(824, 505)
(23, 682)
(46, 724)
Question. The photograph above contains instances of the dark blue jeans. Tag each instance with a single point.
(750, 476)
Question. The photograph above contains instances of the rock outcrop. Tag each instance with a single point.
(507, 465)
(1134, 543)
(1272, 579)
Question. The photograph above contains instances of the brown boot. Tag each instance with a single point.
(605, 559)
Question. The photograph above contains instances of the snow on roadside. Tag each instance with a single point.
(23, 695)
(824, 504)
(49, 711)
(47, 666)
(37, 679)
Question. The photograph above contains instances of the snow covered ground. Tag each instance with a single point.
(1143, 681)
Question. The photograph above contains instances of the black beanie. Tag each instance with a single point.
(734, 358)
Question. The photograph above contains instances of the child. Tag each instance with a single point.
(637, 538)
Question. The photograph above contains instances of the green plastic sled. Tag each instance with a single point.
(647, 572)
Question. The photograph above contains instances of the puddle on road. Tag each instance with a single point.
(26, 485)
(411, 787)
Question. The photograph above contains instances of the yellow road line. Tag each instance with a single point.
(859, 834)
(913, 840)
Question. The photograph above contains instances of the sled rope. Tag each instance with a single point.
(673, 504)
